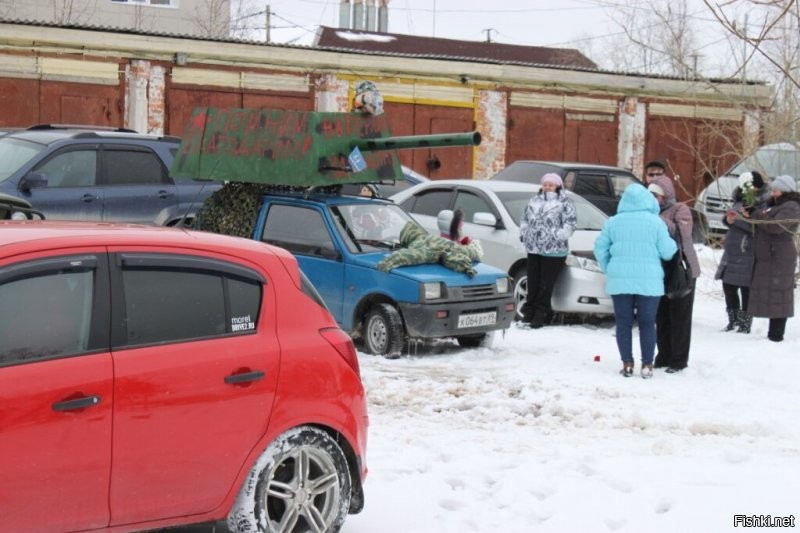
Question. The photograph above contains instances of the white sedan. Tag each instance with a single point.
(492, 210)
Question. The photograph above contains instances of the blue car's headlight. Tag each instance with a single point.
(584, 263)
(502, 285)
(432, 290)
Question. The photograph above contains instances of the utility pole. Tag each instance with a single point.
(267, 14)
(489, 34)
(434, 18)
(744, 50)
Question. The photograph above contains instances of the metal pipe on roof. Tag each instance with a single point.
(344, 14)
(371, 24)
(358, 15)
(383, 16)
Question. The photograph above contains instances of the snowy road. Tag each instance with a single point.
(535, 435)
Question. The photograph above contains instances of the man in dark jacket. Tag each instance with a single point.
(772, 287)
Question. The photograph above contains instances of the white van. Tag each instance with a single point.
(770, 160)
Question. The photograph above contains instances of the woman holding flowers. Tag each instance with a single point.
(736, 266)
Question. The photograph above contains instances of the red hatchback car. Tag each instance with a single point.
(153, 377)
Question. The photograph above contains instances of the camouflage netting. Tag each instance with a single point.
(232, 210)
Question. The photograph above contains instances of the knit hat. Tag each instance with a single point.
(656, 189)
(555, 179)
(784, 183)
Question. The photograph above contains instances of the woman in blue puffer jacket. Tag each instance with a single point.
(630, 250)
(546, 225)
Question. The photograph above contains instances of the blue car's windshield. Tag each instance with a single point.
(368, 227)
(14, 153)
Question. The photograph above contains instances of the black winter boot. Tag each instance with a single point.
(733, 319)
(745, 322)
(777, 327)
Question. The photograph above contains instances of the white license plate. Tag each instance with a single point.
(477, 319)
(716, 224)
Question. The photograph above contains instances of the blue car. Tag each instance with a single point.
(338, 240)
(95, 174)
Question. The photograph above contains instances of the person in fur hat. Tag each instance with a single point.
(736, 265)
(773, 283)
(546, 225)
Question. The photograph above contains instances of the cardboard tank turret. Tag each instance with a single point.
(255, 149)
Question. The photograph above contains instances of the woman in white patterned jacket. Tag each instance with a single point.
(547, 224)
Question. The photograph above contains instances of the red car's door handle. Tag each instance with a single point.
(77, 403)
(245, 377)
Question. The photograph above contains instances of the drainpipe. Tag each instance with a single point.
(344, 15)
(358, 14)
(371, 23)
(383, 16)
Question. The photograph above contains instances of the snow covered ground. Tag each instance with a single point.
(533, 434)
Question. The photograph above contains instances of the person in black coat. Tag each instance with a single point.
(736, 266)
(772, 287)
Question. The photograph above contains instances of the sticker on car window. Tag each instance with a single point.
(242, 323)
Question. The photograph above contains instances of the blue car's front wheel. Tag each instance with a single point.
(383, 330)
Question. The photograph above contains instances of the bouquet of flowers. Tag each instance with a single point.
(748, 195)
(749, 182)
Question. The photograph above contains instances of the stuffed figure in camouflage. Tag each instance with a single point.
(232, 210)
(419, 248)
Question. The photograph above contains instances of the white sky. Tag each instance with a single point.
(534, 435)
(562, 23)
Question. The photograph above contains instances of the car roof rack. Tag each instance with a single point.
(80, 127)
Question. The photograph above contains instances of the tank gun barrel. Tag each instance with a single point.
(472, 138)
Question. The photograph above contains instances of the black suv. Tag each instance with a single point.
(92, 173)
(600, 184)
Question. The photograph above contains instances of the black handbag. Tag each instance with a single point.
(677, 274)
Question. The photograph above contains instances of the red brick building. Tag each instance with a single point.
(543, 104)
